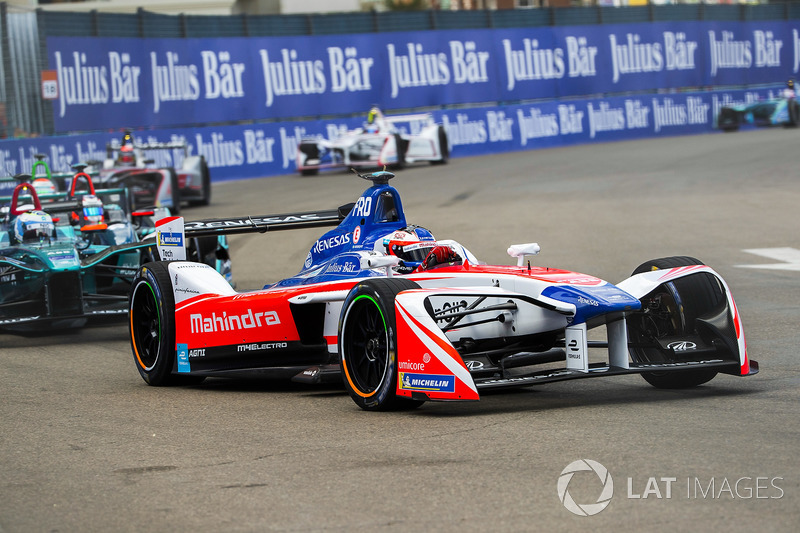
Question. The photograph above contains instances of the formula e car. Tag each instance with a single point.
(402, 318)
(66, 257)
(780, 111)
(379, 143)
(149, 171)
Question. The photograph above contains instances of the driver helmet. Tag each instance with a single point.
(33, 227)
(126, 157)
(411, 244)
(92, 209)
(44, 186)
(373, 117)
(790, 83)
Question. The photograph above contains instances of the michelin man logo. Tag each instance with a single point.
(585, 509)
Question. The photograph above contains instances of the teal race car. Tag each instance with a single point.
(70, 256)
(782, 111)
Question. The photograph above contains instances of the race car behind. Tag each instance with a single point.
(380, 142)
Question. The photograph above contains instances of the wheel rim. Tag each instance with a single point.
(366, 344)
(145, 326)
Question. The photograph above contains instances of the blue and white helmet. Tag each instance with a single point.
(33, 227)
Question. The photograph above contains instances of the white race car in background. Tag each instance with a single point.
(379, 143)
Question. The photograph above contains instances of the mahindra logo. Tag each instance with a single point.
(681, 346)
(226, 322)
(473, 365)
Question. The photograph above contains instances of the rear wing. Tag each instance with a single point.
(172, 232)
(418, 117)
(265, 223)
(115, 145)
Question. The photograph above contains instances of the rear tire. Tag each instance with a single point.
(205, 176)
(680, 303)
(152, 326)
(401, 152)
(794, 113)
(176, 193)
(368, 344)
(444, 148)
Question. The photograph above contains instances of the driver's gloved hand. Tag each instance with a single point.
(442, 256)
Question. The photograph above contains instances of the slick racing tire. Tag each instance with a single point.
(793, 109)
(152, 326)
(368, 344)
(401, 146)
(176, 193)
(443, 147)
(676, 306)
(205, 177)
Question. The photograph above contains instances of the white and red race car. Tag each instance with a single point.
(380, 142)
(402, 318)
(133, 165)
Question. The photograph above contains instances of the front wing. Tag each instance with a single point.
(429, 367)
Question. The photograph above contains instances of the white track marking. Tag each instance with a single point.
(790, 258)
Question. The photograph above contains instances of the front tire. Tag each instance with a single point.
(676, 306)
(152, 326)
(368, 344)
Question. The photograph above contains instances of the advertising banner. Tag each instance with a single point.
(105, 83)
(267, 149)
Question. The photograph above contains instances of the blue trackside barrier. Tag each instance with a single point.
(268, 149)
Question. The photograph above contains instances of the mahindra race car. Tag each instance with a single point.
(379, 143)
(402, 318)
(66, 257)
(131, 164)
(781, 111)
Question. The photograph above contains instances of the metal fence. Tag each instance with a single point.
(23, 35)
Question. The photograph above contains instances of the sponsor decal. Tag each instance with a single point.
(408, 365)
(427, 382)
(344, 267)
(251, 221)
(225, 322)
(183, 358)
(331, 242)
(356, 234)
(258, 347)
(363, 207)
(170, 239)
